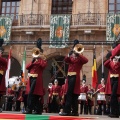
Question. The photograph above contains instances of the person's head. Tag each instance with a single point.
(55, 82)
(89, 86)
(83, 82)
(50, 85)
(102, 81)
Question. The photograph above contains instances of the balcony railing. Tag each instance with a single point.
(81, 19)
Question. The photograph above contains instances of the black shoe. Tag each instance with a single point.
(27, 112)
(113, 116)
(39, 113)
(64, 114)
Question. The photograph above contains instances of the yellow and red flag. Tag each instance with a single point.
(94, 71)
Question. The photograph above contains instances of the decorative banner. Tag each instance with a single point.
(59, 30)
(113, 27)
(5, 27)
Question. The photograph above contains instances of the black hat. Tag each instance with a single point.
(84, 78)
(75, 42)
(39, 44)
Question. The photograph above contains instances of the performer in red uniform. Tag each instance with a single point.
(101, 103)
(113, 84)
(83, 102)
(3, 67)
(19, 98)
(75, 61)
(89, 99)
(56, 90)
(35, 84)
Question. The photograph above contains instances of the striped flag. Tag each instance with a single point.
(94, 71)
(7, 75)
(23, 65)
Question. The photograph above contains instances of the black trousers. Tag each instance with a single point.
(83, 105)
(71, 98)
(114, 99)
(102, 107)
(55, 104)
(89, 107)
(9, 103)
(33, 101)
(18, 105)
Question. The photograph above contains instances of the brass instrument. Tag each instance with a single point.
(78, 48)
(36, 53)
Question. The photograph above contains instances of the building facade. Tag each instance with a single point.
(31, 20)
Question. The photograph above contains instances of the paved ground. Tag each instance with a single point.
(96, 117)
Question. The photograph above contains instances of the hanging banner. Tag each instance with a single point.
(5, 27)
(113, 27)
(59, 30)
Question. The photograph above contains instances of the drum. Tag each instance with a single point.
(101, 97)
(14, 80)
(82, 96)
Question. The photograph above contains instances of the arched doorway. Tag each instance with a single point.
(49, 71)
(15, 66)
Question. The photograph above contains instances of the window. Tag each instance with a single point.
(10, 7)
(61, 7)
(114, 6)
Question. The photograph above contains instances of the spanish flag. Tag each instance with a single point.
(94, 71)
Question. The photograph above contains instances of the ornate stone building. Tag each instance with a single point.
(32, 21)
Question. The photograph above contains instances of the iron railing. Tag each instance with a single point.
(81, 19)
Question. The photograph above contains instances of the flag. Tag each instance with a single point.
(23, 65)
(59, 30)
(7, 75)
(94, 71)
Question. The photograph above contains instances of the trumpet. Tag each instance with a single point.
(78, 48)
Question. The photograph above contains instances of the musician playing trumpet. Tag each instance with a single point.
(35, 83)
(75, 61)
(113, 82)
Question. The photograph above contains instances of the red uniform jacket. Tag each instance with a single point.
(101, 89)
(113, 69)
(83, 89)
(3, 67)
(116, 51)
(75, 65)
(63, 90)
(56, 89)
(37, 68)
(10, 91)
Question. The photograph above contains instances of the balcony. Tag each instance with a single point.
(78, 20)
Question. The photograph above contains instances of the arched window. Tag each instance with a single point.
(114, 6)
(61, 7)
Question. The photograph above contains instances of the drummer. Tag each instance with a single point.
(101, 103)
(83, 102)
